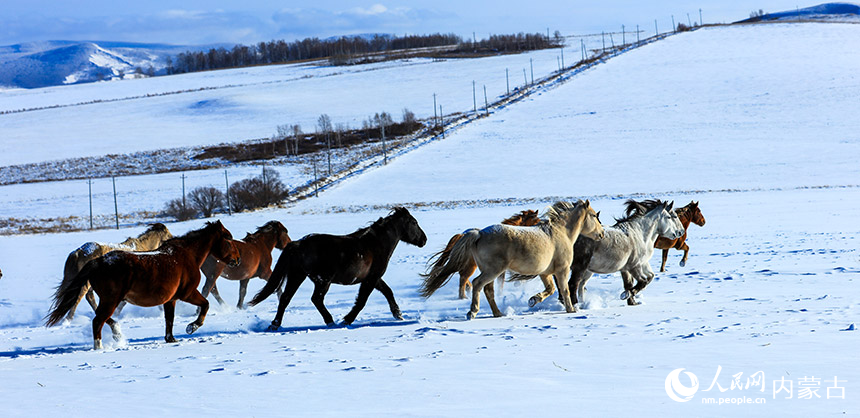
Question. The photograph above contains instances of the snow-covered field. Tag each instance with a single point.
(755, 122)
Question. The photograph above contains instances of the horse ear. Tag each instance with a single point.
(598, 216)
(672, 203)
(587, 203)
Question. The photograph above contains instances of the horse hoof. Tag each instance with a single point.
(471, 315)
(683, 263)
(191, 328)
(331, 324)
(273, 327)
(97, 344)
(169, 339)
(625, 294)
(398, 316)
(533, 301)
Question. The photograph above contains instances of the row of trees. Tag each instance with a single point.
(251, 193)
(515, 42)
(274, 52)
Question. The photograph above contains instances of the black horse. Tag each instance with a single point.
(358, 258)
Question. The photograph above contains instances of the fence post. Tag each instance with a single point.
(525, 80)
(441, 119)
(637, 34)
(434, 109)
(531, 65)
(673, 24)
(562, 58)
(90, 184)
(182, 176)
(603, 39)
(701, 22)
(507, 83)
(656, 31)
(115, 206)
(623, 36)
(486, 103)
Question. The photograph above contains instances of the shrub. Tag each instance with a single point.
(206, 200)
(177, 210)
(257, 192)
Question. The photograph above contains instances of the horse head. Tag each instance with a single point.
(282, 235)
(668, 223)
(408, 228)
(223, 248)
(695, 214)
(591, 226)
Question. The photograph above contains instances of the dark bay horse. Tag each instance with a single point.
(148, 279)
(524, 218)
(147, 241)
(255, 251)
(686, 214)
(358, 258)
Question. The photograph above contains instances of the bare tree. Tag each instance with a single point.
(297, 133)
(324, 128)
(206, 200)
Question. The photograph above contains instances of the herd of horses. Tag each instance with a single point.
(563, 246)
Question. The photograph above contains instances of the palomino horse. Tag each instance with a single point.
(361, 257)
(625, 248)
(544, 249)
(686, 214)
(524, 218)
(147, 241)
(255, 251)
(149, 279)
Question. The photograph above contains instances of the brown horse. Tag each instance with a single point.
(149, 279)
(686, 214)
(524, 218)
(255, 251)
(147, 241)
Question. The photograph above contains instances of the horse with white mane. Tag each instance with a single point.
(545, 249)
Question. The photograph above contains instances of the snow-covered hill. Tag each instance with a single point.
(756, 122)
(826, 12)
(51, 63)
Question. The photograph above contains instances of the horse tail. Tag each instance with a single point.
(288, 257)
(66, 296)
(450, 260)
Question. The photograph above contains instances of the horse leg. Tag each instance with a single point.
(169, 311)
(665, 256)
(686, 249)
(477, 287)
(195, 298)
(629, 292)
(490, 292)
(294, 280)
(576, 284)
(383, 288)
(549, 289)
(465, 273)
(364, 291)
(564, 289)
(318, 299)
(243, 288)
(103, 313)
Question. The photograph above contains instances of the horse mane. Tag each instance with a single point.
(260, 229)
(197, 233)
(521, 217)
(558, 210)
(634, 210)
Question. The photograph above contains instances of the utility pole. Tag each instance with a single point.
(623, 36)
(701, 22)
(531, 65)
(486, 103)
(474, 98)
(562, 58)
(656, 31)
(90, 184)
(115, 206)
(434, 109)
(674, 28)
(227, 187)
(441, 119)
(637, 34)
(507, 83)
(525, 80)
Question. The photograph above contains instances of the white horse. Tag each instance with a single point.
(626, 247)
(542, 250)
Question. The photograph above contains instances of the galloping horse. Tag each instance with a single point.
(544, 249)
(255, 251)
(627, 247)
(524, 218)
(148, 279)
(686, 214)
(147, 241)
(358, 258)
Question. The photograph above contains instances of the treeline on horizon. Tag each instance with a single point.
(280, 51)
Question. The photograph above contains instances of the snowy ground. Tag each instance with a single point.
(767, 149)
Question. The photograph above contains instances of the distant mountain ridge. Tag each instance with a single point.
(51, 63)
(825, 11)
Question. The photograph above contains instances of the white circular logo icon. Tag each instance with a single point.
(676, 390)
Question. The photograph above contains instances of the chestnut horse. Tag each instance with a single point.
(255, 251)
(524, 218)
(148, 279)
(686, 214)
(147, 241)
(358, 258)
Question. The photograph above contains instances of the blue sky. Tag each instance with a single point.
(215, 21)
